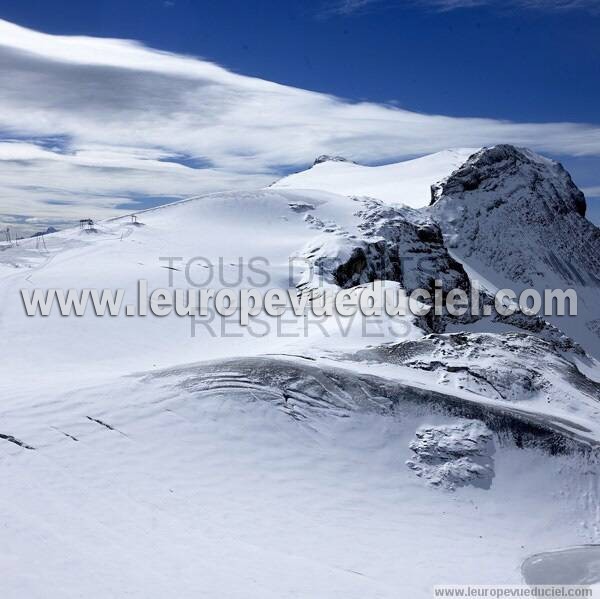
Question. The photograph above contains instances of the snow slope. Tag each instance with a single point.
(407, 182)
(223, 494)
(225, 230)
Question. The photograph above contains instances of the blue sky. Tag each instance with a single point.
(524, 61)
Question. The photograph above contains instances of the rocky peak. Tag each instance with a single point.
(521, 214)
(517, 220)
(327, 158)
(491, 168)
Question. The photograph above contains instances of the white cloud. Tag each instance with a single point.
(88, 124)
(592, 5)
(347, 7)
(592, 192)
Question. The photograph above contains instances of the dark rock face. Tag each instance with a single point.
(328, 158)
(415, 242)
(48, 231)
(371, 262)
(300, 207)
(485, 167)
(396, 244)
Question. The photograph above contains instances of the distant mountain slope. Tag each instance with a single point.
(407, 182)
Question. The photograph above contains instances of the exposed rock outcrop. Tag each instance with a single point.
(454, 455)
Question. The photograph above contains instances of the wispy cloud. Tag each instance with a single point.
(89, 124)
(590, 5)
(592, 192)
(349, 7)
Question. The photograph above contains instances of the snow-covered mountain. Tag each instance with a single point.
(152, 456)
(512, 218)
(408, 183)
